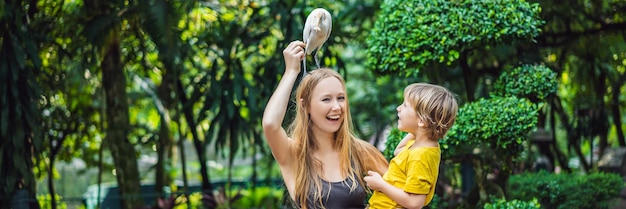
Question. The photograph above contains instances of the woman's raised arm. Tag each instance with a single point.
(274, 114)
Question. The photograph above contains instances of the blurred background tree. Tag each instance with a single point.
(171, 92)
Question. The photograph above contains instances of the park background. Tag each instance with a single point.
(162, 99)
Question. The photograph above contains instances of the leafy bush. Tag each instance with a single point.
(436, 202)
(561, 191)
(500, 124)
(513, 204)
(45, 201)
(491, 134)
(534, 82)
(394, 137)
(260, 197)
(411, 33)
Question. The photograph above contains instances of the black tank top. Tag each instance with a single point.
(340, 196)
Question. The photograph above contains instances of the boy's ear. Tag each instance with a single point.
(421, 123)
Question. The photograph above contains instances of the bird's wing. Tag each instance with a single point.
(307, 32)
(329, 20)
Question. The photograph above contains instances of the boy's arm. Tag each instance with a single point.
(402, 143)
(407, 200)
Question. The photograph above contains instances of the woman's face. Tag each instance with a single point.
(328, 100)
(407, 117)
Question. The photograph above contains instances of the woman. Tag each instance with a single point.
(320, 159)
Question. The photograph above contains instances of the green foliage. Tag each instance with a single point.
(227, 56)
(410, 34)
(260, 197)
(394, 137)
(500, 124)
(45, 201)
(195, 200)
(595, 190)
(512, 204)
(534, 82)
(437, 202)
(21, 138)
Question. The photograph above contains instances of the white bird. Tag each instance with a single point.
(316, 31)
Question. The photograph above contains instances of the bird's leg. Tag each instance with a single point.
(317, 61)
(304, 65)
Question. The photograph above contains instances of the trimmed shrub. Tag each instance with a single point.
(393, 139)
(411, 34)
(513, 204)
(562, 191)
(534, 82)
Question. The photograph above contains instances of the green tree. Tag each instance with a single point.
(585, 46)
(202, 71)
(412, 35)
(491, 134)
(160, 22)
(533, 82)
(102, 29)
(70, 111)
(21, 138)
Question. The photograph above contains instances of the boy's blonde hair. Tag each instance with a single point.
(435, 105)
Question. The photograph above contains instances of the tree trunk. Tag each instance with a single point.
(53, 199)
(99, 178)
(481, 177)
(557, 108)
(599, 119)
(21, 138)
(574, 143)
(207, 188)
(617, 116)
(54, 151)
(165, 153)
(123, 152)
(467, 76)
(183, 160)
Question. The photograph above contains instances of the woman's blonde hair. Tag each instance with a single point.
(433, 104)
(356, 156)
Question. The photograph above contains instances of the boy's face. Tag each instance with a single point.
(407, 117)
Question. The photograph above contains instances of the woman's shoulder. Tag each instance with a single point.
(372, 157)
(364, 145)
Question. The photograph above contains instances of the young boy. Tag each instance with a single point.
(427, 113)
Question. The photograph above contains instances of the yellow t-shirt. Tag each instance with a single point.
(414, 170)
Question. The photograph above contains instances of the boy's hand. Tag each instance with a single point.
(374, 181)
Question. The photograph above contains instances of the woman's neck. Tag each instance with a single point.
(325, 141)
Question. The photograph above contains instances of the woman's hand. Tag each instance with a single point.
(294, 53)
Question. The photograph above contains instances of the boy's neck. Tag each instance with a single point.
(422, 140)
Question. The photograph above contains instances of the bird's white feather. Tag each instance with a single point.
(317, 28)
